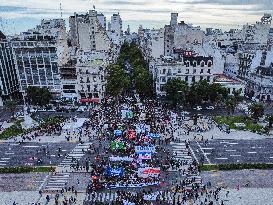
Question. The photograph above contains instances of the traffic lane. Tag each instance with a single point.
(235, 151)
(13, 154)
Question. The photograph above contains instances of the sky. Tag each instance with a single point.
(19, 15)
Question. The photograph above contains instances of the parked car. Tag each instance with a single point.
(198, 108)
(210, 108)
(82, 109)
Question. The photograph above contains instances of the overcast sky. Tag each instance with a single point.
(19, 15)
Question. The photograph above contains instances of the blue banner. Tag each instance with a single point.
(117, 132)
(154, 135)
(114, 172)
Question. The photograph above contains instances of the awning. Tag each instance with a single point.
(88, 100)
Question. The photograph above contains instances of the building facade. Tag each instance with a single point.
(188, 68)
(9, 85)
(91, 76)
(39, 53)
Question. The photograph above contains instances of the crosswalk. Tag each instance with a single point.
(77, 153)
(3, 161)
(180, 152)
(57, 182)
(62, 173)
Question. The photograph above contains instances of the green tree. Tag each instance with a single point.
(117, 82)
(10, 105)
(256, 111)
(38, 96)
(176, 92)
(230, 104)
(143, 81)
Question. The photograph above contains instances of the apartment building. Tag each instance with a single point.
(9, 84)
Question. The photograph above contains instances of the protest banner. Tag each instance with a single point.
(148, 172)
(149, 149)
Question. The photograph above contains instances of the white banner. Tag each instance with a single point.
(115, 159)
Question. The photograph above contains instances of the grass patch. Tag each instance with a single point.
(18, 170)
(12, 131)
(226, 167)
(250, 126)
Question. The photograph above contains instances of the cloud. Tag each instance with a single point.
(4, 9)
(153, 13)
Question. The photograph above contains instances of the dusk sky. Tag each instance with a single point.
(18, 15)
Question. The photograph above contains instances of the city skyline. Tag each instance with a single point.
(18, 16)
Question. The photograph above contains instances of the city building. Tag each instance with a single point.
(87, 32)
(38, 53)
(9, 85)
(231, 84)
(189, 67)
(91, 76)
(115, 32)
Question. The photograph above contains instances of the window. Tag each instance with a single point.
(187, 71)
(202, 64)
(208, 78)
(193, 79)
(201, 77)
(202, 71)
(194, 71)
(186, 79)
(164, 71)
(209, 63)
(194, 64)
(179, 70)
(209, 71)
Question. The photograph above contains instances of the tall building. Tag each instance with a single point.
(39, 52)
(91, 76)
(9, 85)
(174, 17)
(115, 32)
(87, 32)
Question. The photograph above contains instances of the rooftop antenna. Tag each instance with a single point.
(61, 10)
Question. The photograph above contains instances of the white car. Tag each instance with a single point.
(210, 108)
(198, 108)
(82, 109)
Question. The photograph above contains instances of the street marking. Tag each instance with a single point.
(235, 155)
(221, 158)
(30, 146)
(207, 148)
(233, 143)
(193, 154)
(252, 152)
(271, 157)
(230, 150)
(203, 152)
(9, 153)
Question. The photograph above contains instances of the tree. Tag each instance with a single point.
(10, 105)
(176, 92)
(143, 81)
(117, 81)
(230, 104)
(38, 96)
(256, 110)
